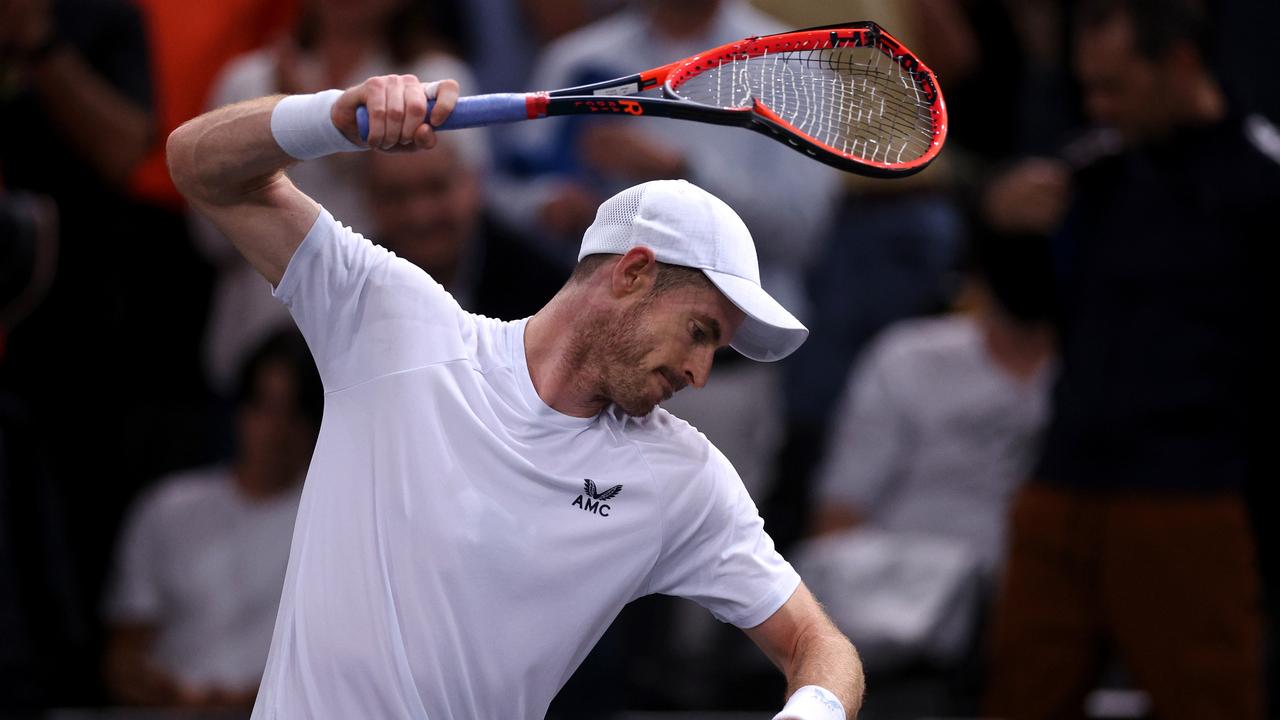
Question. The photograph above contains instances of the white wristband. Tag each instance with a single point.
(303, 126)
(812, 702)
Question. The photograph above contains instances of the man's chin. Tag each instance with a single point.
(637, 409)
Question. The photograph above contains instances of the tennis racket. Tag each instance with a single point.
(848, 95)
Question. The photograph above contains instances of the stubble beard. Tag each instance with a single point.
(607, 355)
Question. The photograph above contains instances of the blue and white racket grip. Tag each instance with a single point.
(471, 111)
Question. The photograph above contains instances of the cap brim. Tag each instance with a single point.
(769, 332)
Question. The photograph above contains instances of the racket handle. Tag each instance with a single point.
(471, 111)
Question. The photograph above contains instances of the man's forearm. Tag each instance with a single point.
(227, 154)
(803, 642)
(825, 657)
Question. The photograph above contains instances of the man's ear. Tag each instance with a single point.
(634, 273)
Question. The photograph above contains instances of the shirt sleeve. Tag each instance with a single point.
(366, 313)
(869, 438)
(715, 550)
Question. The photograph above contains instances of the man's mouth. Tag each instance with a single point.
(674, 383)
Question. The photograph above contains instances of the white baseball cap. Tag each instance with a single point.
(686, 225)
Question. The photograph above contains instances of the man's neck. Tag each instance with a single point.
(554, 356)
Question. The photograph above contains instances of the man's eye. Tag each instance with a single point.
(697, 333)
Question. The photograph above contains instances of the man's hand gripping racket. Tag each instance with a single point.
(849, 95)
(388, 112)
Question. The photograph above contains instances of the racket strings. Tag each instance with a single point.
(855, 100)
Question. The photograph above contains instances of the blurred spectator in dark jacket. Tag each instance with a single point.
(1133, 534)
(429, 209)
(75, 121)
(202, 559)
(43, 653)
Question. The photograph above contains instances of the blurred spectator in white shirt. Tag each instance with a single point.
(939, 424)
(202, 557)
(942, 416)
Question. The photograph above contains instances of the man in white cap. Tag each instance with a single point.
(486, 496)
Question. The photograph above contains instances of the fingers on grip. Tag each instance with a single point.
(396, 106)
(415, 109)
(394, 121)
(392, 107)
(375, 103)
(446, 97)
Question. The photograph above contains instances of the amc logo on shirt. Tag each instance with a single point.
(593, 501)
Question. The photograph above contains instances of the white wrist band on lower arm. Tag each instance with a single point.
(303, 127)
(812, 702)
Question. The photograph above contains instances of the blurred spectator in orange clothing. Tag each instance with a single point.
(190, 43)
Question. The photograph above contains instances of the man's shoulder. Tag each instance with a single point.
(667, 443)
(658, 424)
(331, 243)
(689, 469)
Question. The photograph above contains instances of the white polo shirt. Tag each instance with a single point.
(460, 545)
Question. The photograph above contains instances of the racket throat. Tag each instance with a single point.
(535, 104)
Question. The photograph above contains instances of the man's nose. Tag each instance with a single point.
(699, 367)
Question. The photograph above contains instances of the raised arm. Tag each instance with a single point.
(230, 162)
(803, 642)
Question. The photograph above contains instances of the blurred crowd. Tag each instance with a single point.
(1020, 458)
